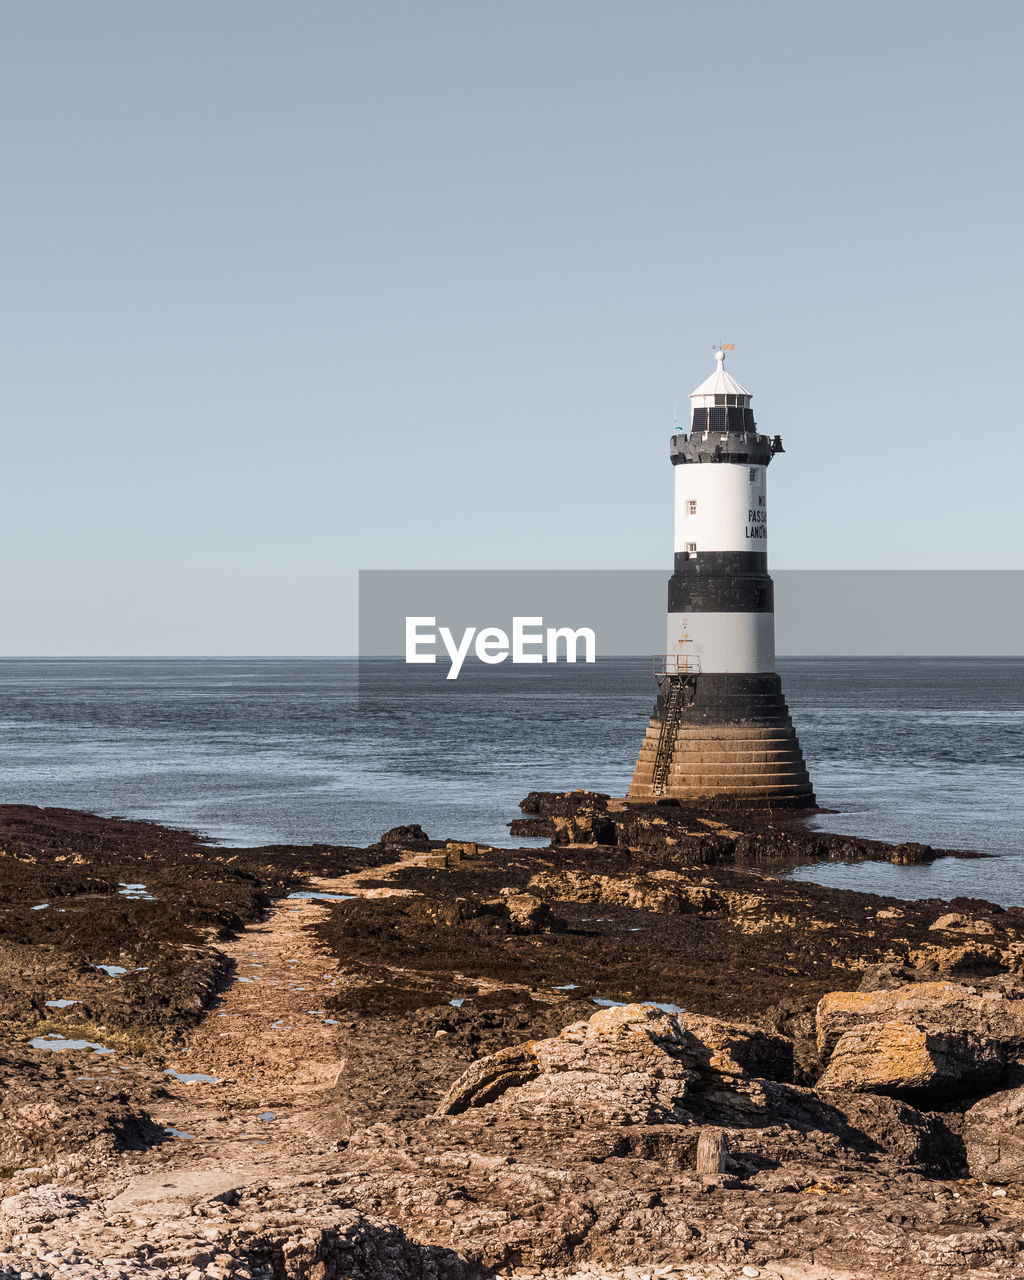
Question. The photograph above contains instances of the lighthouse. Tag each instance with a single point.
(720, 727)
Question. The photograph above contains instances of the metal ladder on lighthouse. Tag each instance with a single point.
(680, 673)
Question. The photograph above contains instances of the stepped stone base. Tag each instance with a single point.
(722, 736)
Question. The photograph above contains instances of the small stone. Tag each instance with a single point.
(751, 1271)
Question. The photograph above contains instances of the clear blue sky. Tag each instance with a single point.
(294, 289)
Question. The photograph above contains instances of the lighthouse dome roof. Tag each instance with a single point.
(719, 383)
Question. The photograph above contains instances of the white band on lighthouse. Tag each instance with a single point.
(721, 508)
(724, 642)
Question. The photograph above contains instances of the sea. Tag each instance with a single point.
(257, 751)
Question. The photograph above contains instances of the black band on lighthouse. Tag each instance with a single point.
(726, 592)
(732, 699)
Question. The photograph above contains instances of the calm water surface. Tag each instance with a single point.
(256, 751)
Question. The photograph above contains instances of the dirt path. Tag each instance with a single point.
(263, 1056)
(269, 1038)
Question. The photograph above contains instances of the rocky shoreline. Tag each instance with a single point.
(632, 1052)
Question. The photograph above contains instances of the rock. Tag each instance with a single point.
(410, 836)
(994, 1137)
(736, 1049)
(633, 1064)
(546, 804)
(971, 958)
(630, 1062)
(529, 914)
(592, 818)
(943, 1006)
(953, 920)
(664, 892)
(885, 976)
(881, 1124)
(907, 1061)
(911, 854)
(543, 827)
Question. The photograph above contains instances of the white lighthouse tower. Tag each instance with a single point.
(721, 727)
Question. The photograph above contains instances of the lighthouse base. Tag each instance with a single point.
(722, 736)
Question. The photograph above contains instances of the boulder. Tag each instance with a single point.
(953, 921)
(881, 1124)
(902, 1060)
(411, 836)
(632, 1064)
(911, 854)
(939, 1006)
(994, 1137)
(543, 827)
(529, 914)
(736, 1049)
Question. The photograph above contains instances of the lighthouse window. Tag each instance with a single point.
(691, 506)
(691, 548)
(753, 474)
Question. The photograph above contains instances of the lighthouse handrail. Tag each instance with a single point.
(675, 664)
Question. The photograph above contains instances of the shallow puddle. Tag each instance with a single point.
(192, 1077)
(267, 1116)
(321, 897)
(41, 906)
(176, 1133)
(60, 1004)
(568, 986)
(135, 892)
(58, 1042)
(663, 1005)
(458, 1001)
